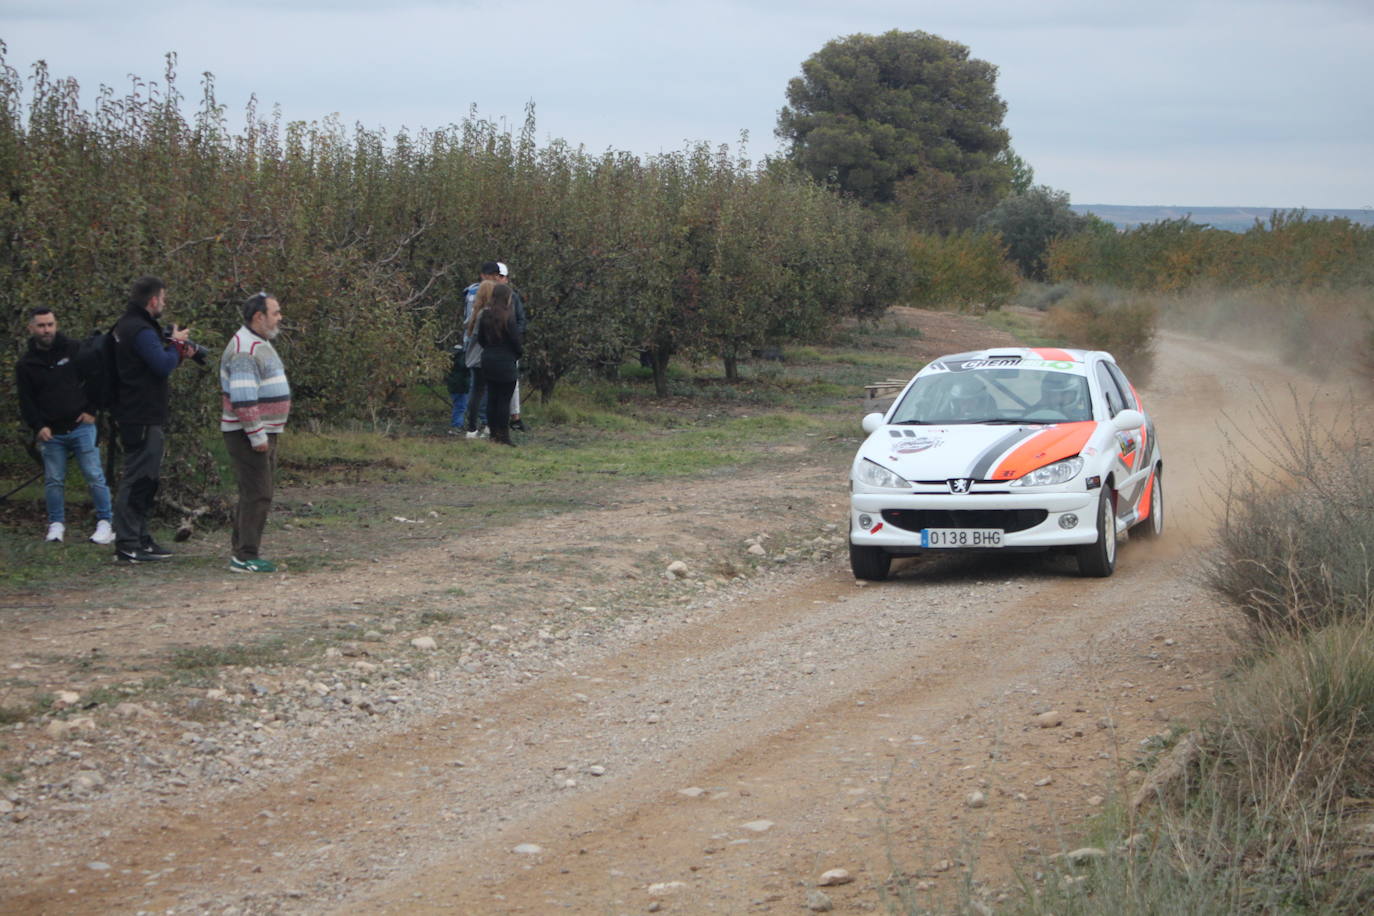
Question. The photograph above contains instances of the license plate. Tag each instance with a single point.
(961, 537)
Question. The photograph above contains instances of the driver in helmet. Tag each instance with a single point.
(1059, 392)
(969, 400)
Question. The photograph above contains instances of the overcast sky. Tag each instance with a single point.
(1174, 102)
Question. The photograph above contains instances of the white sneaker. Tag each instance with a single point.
(471, 434)
(486, 432)
(55, 531)
(104, 534)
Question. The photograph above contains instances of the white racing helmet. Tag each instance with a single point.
(1059, 389)
(969, 396)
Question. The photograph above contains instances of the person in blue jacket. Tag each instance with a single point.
(498, 272)
(145, 357)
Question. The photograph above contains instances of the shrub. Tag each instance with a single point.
(1267, 816)
(1266, 806)
(1030, 221)
(1097, 319)
(1291, 250)
(961, 270)
(1270, 816)
(1296, 542)
(1040, 296)
(1269, 810)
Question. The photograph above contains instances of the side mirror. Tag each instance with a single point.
(1128, 419)
(872, 422)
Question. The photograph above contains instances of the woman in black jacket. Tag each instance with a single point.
(501, 348)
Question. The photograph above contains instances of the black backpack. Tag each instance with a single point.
(95, 363)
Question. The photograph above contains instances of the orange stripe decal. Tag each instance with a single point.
(1142, 508)
(1054, 354)
(1054, 444)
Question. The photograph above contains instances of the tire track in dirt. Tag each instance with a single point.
(857, 720)
(395, 796)
(816, 767)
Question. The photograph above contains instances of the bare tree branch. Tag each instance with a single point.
(434, 277)
(401, 246)
(205, 241)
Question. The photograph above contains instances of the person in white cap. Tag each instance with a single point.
(498, 272)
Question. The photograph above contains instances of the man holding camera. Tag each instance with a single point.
(256, 400)
(145, 356)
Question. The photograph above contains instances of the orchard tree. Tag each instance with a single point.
(905, 118)
(1029, 222)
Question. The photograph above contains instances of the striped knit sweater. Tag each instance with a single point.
(254, 395)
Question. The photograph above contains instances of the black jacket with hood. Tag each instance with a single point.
(51, 392)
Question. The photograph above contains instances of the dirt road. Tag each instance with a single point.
(713, 750)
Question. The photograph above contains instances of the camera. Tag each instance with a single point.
(188, 348)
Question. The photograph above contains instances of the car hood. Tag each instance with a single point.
(982, 452)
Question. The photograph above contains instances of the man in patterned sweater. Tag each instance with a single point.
(256, 400)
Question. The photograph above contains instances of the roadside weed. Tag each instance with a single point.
(1265, 806)
(202, 659)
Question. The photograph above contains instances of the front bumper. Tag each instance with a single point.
(896, 517)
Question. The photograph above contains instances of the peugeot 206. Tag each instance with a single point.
(1007, 449)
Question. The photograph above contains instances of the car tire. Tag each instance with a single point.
(871, 563)
(1098, 559)
(1153, 526)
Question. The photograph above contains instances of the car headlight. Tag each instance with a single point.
(1051, 474)
(875, 475)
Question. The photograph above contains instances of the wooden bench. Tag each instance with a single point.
(885, 389)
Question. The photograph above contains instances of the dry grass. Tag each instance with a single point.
(1296, 541)
(1271, 808)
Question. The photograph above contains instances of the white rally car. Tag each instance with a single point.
(1007, 449)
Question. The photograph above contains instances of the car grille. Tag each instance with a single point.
(1006, 519)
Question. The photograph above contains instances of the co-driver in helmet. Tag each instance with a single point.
(1059, 392)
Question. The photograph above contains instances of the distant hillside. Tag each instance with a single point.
(1233, 219)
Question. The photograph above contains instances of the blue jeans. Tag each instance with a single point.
(460, 406)
(56, 451)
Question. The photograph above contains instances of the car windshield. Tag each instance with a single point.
(1001, 395)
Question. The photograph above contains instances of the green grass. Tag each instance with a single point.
(203, 659)
(28, 560)
(592, 435)
(1024, 327)
(560, 454)
(10, 713)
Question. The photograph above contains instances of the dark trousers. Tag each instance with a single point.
(143, 446)
(498, 408)
(477, 398)
(255, 473)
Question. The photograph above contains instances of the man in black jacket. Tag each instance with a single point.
(144, 359)
(53, 402)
